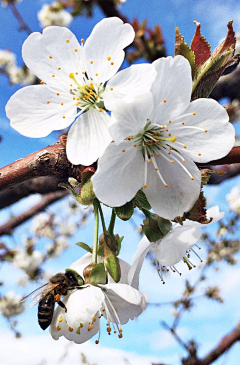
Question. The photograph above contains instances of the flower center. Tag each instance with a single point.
(87, 95)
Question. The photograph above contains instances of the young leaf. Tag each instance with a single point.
(141, 201)
(181, 48)
(84, 246)
(98, 275)
(200, 47)
(125, 212)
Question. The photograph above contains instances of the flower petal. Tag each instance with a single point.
(171, 89)
(35, 111)
(180, 194)
(108, 39)
(83, 304)
(59, 327)
(119, 175)
(53, 53)
(81, 263)
(205, 131)
(127, 84)
(88, 137)
(129, 119)
(172, 248)
(127, 301)
(138, 258)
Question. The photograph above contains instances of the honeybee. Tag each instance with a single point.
(48, 294)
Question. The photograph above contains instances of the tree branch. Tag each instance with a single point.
(232, 157)
(46, 200)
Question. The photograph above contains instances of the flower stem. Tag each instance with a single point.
(102, 216)
(112, 222)
(95, 242)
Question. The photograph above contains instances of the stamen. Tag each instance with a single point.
(71, 75)
(158, 172)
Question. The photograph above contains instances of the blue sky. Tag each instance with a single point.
(144, 339)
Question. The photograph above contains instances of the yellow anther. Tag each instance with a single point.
(183, 123)
(96, 342)
(70, 329)
(96, 74)
(74, 98)
(120, 329)
(120, 335)
(144, 185)
(111, 88)
(199, 154)
(83, 72)
(77, 104)
(42, 82)
(108, 58)
(90, 327)
(134, 145)
(193, 113)
(169, 153)
(150, 161)
(123, 150)
(81, 325)
(58, 328)
(59, 68)
(50, 57)
(109, 330)
(100, 110)
(57, 94)
(158, 155)
(115, 331)
(91, 62)
(184, 146)
(192, 178)
(183, 161)
(170, 148)
(94, 319)
(61, 103)
(169, 134)
(61, 319)
(170, 121)
(48, 101)
(53, 75)
(71, 90)
(166, 185)
(205, 130)
(67, 40)
(172, 161)
(82, 40)
(112, 63)
(156, 169)
(75, 50)
(64, 117)
(164, 100)
(76, 73)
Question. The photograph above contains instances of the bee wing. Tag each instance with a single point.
(40, 293)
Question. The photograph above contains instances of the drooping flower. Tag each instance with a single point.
(171, 248)
(156, 140)
(117, 302)
(74, 86)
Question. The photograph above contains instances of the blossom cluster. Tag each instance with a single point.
(54, 14)
(147, 135)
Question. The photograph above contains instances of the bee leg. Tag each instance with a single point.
(62, 305)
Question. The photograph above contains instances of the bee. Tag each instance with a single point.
(48, 294)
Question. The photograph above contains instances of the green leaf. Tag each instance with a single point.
(119, 242)
(164, 225)
(84, 246)
(98, 275)
(77, 275)
(113, 267)
(125, 212)
(181, 48)
(155, 227)
(100, 251)
(141, 201)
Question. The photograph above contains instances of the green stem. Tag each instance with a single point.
(112, 222)
(102, 216)
(95, 242)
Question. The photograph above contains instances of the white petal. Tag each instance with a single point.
(119, 175)
(88, 137)
(129, 83)
(108, 39)
(83, 304)
(181, 193)
(173, 84)
(173, 246)
(211, 117)
(59, 327)
(45, 53)
(81, 263)
(31, 114)
(127, 301)
(129, 119)
(138, 258)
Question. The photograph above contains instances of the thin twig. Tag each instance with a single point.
(18, 16)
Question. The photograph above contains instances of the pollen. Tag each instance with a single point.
(193, 113)
(199, 154)
(59, 68)
(158, 155)
(111, 88)
(109, 330)
(170, 121)
(64, 117)
(96, 74)
(61, 319)
(134, 145)
(75, 49)
(205, 130)
(48, 101)
(120, 330)
(183, 161)
(123, 150)
(192, 178)
(96, 342)
(50, 57)
(91, 62)
(76, 73)
(61, 103)
(170, 148)
(150, 161)
(172, 161)
(70, 90)
(183, 123)
(169, 153)
(83, 72)
(166, 185)
(42, 82)
(108, 58)
(82, 40)
(53, 75)
(184, 146)
(164, 100)
(67, 40)
(169, 134)
(120, 335)
(70, 329)
(57, 94)
(90, 327)
(94, 319)
(144, 185)
(112, 63)
(100, 110)
(156, 169)
(58, 328)
(81, 325)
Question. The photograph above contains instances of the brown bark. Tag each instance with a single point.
(228, 86)
(46, 200)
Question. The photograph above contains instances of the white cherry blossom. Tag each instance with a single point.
(74, 86)
(117, 302)
(54, 14)
(171, 248)
(157, 138)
